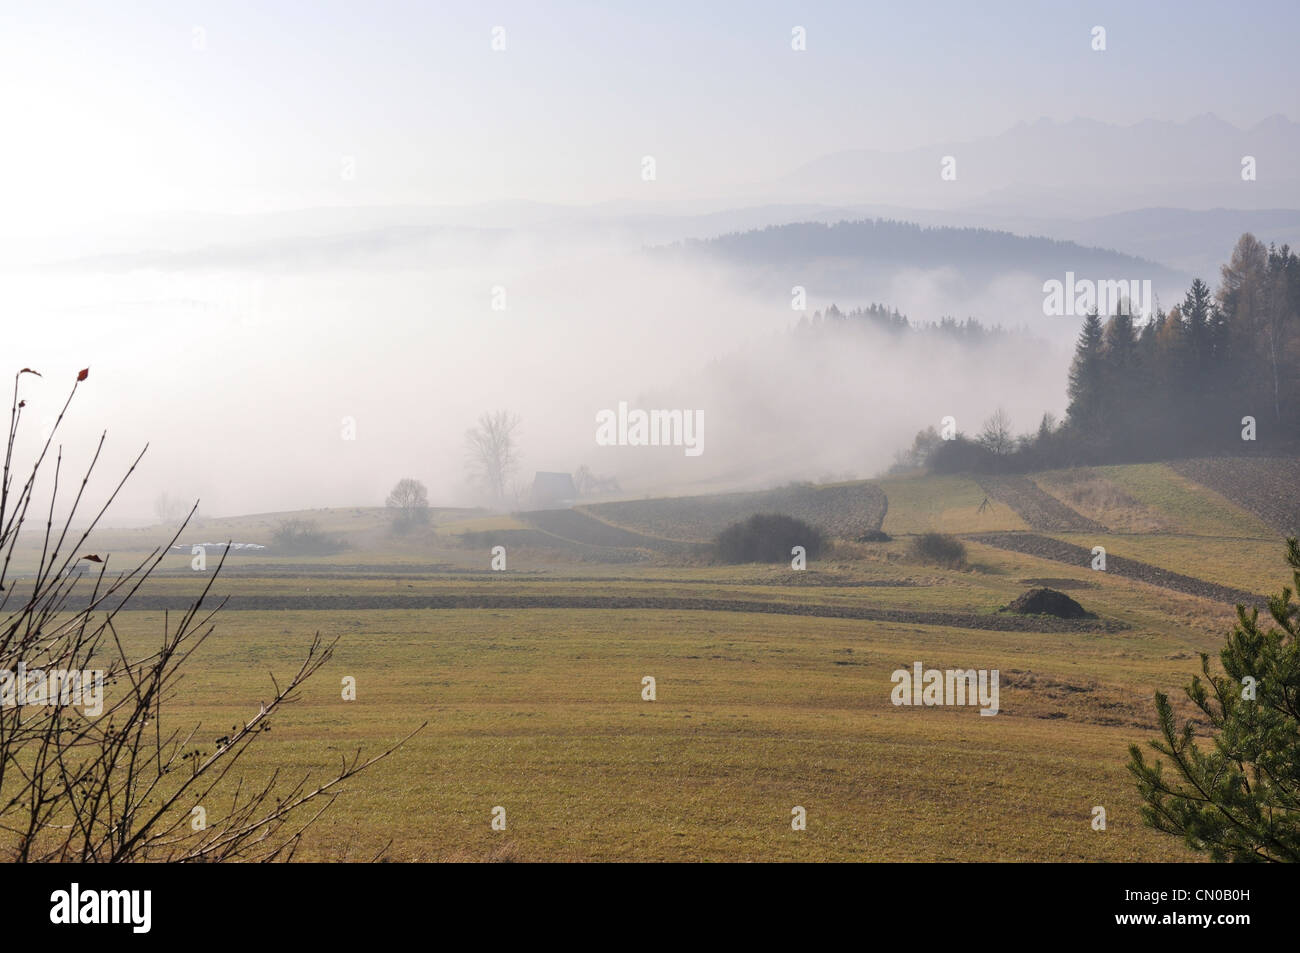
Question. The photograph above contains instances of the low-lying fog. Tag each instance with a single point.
(290, 375)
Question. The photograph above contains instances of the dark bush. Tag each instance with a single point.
(295, 537)
(939, 549)
(960, 455)
(767, 538)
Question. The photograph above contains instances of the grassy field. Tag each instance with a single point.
(950, 504)
(539, 709)
(540, 712)
(1158, 498)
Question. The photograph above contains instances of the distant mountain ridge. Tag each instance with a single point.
(1078, 167)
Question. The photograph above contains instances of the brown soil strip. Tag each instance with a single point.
(1036, 507)
(1267, 487)
(1061, 552)
(327, 603)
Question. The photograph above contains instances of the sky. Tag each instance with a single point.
(240, 107)
(241, 377)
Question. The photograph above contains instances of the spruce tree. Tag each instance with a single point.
(1196, 307)
(1239, 798)
(1123, 404)
(1121, 345)
(1085, 378)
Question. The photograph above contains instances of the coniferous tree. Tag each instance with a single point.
(1121, 399)
(1239, 799)
(1174, 394)
(1121, 344)
(1196, 307)
(1086, 378)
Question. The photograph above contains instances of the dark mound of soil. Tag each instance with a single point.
(1049, 602)
(875, 536)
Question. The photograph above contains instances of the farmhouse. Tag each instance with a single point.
(553, 490)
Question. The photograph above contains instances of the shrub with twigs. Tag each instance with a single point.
(91, 768)
(767, 538)
(939, 549)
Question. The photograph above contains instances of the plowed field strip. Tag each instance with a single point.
(1035, 506)
(1267, 487)
(961, 620)
(1045, 547)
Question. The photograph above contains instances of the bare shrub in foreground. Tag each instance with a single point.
(106, 778)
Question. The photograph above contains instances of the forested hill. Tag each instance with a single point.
(895, 244)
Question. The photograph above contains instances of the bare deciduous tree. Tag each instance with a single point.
(89, 771)
(492, 454)
(169, 509)
(593, 484)
(996, 435)
(409, 503)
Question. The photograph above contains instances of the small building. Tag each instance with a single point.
(553, 491)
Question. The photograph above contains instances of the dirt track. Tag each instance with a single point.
(1042, 546)
(1039, 509)
(323, 603)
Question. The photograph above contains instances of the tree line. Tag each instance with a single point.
(1217, 373)
(879, 317)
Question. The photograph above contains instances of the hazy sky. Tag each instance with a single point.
(242, 371)
(238, 106)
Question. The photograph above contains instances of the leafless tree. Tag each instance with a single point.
(593, 484)
(409, 504)
(492, 455)
(106, 778)
(169, 509)
(996, 435)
